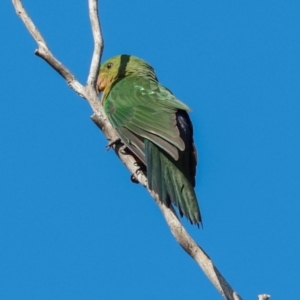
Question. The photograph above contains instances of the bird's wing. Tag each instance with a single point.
(140, 108)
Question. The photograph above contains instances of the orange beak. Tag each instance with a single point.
(101, 84)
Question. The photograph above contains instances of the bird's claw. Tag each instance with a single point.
(133, 178)
(112, 143)
(141, 169)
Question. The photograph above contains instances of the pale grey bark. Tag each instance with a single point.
(88, 92)
(264, 297)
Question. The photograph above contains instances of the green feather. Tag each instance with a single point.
(154, 125)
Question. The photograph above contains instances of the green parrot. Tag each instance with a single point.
(155, 126)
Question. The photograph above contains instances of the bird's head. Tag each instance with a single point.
(118, 67)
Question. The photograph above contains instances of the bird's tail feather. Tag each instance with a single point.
(168, 181)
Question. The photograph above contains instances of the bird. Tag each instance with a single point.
(155, 126)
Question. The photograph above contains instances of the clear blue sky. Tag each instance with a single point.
(73, 226)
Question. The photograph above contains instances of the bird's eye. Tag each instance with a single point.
(109, 65)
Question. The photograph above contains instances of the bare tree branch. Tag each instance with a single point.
(89, 93)
(98, 42)
(263, 297)
(44, 52)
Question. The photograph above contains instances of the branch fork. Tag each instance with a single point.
(89, 93)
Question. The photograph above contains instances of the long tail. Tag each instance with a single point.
(166, 177)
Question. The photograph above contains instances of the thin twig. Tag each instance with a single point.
(44, 52)
(89, 93)
(263, 297)
(98, 42)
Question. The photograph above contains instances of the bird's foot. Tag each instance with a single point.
(112, 143)
(141, 169)
(133, 178)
